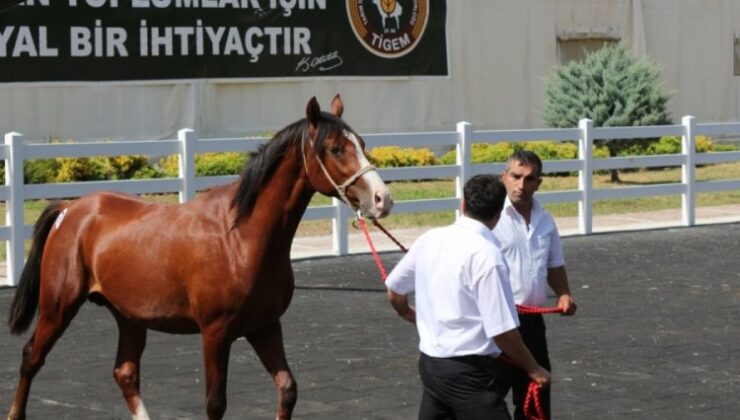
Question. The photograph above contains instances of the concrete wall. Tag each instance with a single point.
(501, 53)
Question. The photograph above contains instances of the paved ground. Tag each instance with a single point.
(656, 337)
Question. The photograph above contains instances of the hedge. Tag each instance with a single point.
(100, 168)
(500, 152)
(394, 156)
(43, 171)
(206, 164)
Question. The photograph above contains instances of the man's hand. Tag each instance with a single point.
(567, 304)
(540, 376)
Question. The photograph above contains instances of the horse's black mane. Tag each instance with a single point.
(261, 166)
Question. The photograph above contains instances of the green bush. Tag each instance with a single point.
(703, 144)
(482, 153)
(500, 152)
(601, 152)
(123, 167)
(666, 145)
(611, 86)
(448, 158)
(97, 168)
(79, 169)
(40, 171)
(394, 156)
(635, 147)
(206, 164)
(147, 172)
(672, 145)
(215, 164)
(724, 147)
(489, 153)
(549, 150)
(168, 166)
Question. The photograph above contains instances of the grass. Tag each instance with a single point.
(417, 190)
(725, 171)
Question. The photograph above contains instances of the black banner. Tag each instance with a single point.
(105, 40)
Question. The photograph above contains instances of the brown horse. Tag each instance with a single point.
(218, 266)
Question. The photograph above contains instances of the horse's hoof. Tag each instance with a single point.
(14, 414)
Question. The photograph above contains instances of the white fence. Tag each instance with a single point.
(15, 192)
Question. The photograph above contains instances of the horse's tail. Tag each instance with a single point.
(23, 308)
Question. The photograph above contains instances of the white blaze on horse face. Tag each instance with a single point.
(377, 201)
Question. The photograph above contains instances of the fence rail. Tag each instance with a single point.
(15, 152)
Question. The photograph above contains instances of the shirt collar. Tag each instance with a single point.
(537, 210)
(475, 225)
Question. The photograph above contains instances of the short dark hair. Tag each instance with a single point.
(484, 196)
(526, 157)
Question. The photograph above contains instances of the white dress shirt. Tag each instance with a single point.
(529, 251)
(463, 296)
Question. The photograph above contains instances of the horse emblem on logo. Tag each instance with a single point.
(389, 9)
(388, 28)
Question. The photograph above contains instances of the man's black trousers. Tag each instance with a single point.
(462, 388)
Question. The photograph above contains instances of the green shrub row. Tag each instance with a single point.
(547, 150)
(395, 157)
(98, 168)
(206, 164)
(500, 152)
(44, 171)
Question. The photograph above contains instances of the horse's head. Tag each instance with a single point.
(385, 6)
(336, 164)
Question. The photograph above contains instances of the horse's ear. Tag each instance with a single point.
(337, 107)
(313, 111)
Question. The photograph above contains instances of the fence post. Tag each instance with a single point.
(688, 171)
(187, 163)
(340, 234)
(15, 248)
(585, 176)
(464, 158)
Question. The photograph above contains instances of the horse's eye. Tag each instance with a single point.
(335, 150)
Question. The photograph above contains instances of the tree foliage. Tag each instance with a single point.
(611, 86)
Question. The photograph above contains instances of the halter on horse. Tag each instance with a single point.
(218, 265)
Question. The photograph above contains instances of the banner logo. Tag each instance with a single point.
(388, 28)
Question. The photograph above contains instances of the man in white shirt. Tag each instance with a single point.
(533, 251)
(465, 313)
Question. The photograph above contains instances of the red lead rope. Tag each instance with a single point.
(533, 310)
(532, 406)
(532, 400)
(378, 262)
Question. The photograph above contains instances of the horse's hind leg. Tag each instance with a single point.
(50, 327)
(268, 344)
(131, 342)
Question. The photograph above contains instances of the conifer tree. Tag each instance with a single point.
(611, 86)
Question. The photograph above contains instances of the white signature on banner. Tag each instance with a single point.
(323, 62)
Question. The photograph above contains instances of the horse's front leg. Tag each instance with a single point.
(268, 344)
(216, 347)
